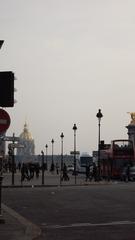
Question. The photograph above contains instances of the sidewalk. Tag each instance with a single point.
(16, 227)
(50, 180)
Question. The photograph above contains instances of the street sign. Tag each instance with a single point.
(15, 145)
(10, 138)
(74, 152)
(4, 120)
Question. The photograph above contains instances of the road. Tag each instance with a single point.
(92, 212)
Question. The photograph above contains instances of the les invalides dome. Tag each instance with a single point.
(28, 151)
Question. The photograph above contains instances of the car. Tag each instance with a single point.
(70, 168)
(124, 174)
(132, 173)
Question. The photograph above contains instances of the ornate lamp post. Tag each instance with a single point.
(99, 116)
(52, 164)
(42, 152)
(46, 146)
(61, 172)
(74, 129)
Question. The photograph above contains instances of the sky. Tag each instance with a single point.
(70, 58)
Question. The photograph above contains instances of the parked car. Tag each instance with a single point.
(131, 174)
(70, 168)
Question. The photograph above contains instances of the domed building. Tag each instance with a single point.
(26, 153)
(131, 128)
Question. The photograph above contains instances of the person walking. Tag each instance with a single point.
(24, 172)
(87, 173)
(65, 174)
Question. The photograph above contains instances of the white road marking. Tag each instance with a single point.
(90, 224)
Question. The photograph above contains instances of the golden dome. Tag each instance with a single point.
(26, 134)
(132, 114)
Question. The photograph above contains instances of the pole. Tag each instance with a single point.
(75, 128)
(46, 157)
(99, 116)
(61, 172)
(1, 178)
(42, 167)
(99, 148)
(75, 155)
(52, 164)
(13, 160)
(52, 151)
(1, 217)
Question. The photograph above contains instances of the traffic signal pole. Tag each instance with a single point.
(13, 160)
(1, 177)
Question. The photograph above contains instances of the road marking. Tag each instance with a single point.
(32, 231)
(90, 224)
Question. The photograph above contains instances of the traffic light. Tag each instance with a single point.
(1, 43)
(6, 89)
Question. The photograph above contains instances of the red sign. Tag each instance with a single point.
(4, 120)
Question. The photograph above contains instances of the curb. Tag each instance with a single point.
(58, 185)
(32, 231)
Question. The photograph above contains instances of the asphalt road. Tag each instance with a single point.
(92, 212)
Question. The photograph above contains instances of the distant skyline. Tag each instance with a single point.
(70, 58)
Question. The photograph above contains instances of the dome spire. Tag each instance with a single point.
(26, 133)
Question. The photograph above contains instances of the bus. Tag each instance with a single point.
(84, 160)
(119, 154)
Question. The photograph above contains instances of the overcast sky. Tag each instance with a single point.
(70, 58)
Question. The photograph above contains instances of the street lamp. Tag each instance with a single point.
(46, 146)
(52, 164)
(75, 128)
(62, 136)
(42, 152)
(99, 116)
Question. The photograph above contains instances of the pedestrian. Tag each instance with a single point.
(57, 168)
(65, 174)
(95, 172)
(52, 168)
(31, 170)
(87, 173)
(37, 170)
(19, 166)
(128, 173)
(24, 172)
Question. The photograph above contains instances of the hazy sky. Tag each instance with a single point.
(70, 58)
